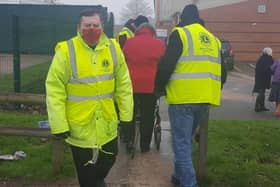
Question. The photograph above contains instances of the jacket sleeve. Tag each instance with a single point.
(56, 95)
(168, 62)
(223, 70)
(123, 88)
(273, 67)
(122, 40)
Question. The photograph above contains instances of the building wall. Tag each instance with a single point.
(168, 7)
(247, 30)
(237, 21)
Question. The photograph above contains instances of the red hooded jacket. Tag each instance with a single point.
(142, 54)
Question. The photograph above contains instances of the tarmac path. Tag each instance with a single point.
(153, 169)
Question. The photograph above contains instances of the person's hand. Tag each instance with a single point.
(62, 135)
(127, 129)
(125, 123)
(158, 94)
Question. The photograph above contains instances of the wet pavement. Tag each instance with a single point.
(145, 169)
(154, 168)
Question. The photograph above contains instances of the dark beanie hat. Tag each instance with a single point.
(140, 19)
(190, 15)
(129, 23)
(190, 12)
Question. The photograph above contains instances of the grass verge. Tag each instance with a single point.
(32, 79)
(240, 153)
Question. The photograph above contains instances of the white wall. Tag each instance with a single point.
(169, 7)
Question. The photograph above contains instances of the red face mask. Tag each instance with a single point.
(91, 36)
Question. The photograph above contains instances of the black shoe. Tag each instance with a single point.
(264, 109)
(101, 184)
(145, 150)
(258, 110)
(175, 181)
(129, 146)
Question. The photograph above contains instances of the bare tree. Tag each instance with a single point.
(134, 8)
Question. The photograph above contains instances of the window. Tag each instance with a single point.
(261, 9)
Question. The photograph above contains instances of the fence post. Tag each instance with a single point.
(16, 53)
(57, 155)
(203, 141)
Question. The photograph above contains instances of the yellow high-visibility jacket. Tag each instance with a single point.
(197, 75)
(81, 88)
(127, 32)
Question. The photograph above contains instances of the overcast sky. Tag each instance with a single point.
(114, 6)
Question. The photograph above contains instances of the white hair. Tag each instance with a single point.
(268, 51)
(146, 25)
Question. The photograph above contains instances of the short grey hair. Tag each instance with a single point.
(146, 25)
(267, 51)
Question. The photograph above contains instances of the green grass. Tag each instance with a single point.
(240, 153)
(243, 154)
(32, 79)
(37, 165)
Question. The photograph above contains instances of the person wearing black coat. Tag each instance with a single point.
(262, 78)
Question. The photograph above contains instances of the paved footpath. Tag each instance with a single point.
(153, 169)
(145, 169)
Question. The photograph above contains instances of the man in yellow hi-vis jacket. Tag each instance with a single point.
(126, 32)
(190, 73)
(88, 73)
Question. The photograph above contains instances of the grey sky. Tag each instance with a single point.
(114, 6)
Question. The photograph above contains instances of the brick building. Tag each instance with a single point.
(250, 25)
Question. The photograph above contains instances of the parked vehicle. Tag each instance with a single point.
(162, 34)
(228, 54)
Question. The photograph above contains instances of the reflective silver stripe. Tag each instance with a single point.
(190, 41)
(128, 30)
(84, 98)
(219, 52)
(113, 54)
(199, 58)
(92, 79)
(191, 56)
(195, 76)
(72, 55)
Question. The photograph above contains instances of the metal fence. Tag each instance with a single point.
(33, 70)
(6, 72)
(28, 40)
(40, 27)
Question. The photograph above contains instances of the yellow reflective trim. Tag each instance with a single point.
(195, 76)
(93, 79)
(84, 98)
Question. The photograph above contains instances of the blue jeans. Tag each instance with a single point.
(184, 119)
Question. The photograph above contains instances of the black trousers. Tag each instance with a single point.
(94, 175)
(145, 105)
(260, 100)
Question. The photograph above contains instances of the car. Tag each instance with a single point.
(228, 54)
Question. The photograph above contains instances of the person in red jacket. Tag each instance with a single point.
(142, 54)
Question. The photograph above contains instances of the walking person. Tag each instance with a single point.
(275, 87)
(140, 20)
(88, 72)
(126, 32)
(142, 53)
(190, 73)
(263, 78)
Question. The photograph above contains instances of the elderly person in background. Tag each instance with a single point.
(142, 53)
(275, 87)
(262, 78)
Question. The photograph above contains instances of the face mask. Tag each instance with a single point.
(91, 36)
